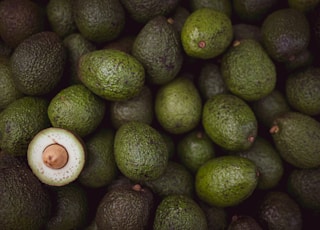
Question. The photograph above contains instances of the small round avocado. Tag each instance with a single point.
(206, 33)
(56, 156)
(226, 181)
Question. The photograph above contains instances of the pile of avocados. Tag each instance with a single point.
(192, 114)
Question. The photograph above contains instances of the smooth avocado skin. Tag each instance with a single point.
(229, 122)
(226, 181)
(157, 46)
(285, 33)
(140, 151)
(296, 137)
(111, 74)
(248, 71)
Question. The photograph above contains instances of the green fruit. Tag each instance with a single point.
(107, 23)
(285, 34)
(24, 203)
(229, 122)
(277, 210)
(296, 137)
(302, 90)
(194, 149)
(9, 92)
(206, 33)
(37, 63)
(226, 180)
(157, 46)
(224, 6)
(217, 217)
(268, 161)
(246, 31)
(20, 19)
(20, 121)
(247, 70)
(70, 207)
(244, 222)
(60, 17)
(111, 74)
(77, 109)
(179, 212)
(304, 6)
(138, 108)
(100, 168)
(175, 180)
(178, 106)
(140, 151)
(125, 207)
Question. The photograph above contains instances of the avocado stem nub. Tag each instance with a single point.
(236, 43)
(55, 156)
(137, 187)
(170, 20)
(274, 129)
(251, 139)
(202, 44)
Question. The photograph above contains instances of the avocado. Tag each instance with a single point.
(269, 107)
(247, 31)
(230, 122)
(178, 106)
(25, 204)
(285, 33)
(20, 19)
(296, 137)
(226, 180)
(302, 60)
(125, 206)
(144, 10)
(243, 222)
(138, 108)
(268, 161)
(123, 43)
(37, 63)
(111, 74)
(248, 71)
(302, 90)
(216, 216)
(108, 21)
(175, 180)
(179, 16)
(70, 207)
(222, 6)
(157, 46)
(9, 92)
(277, 210)
(60, 17)
(5, 49)
(210, 81)
(303, 186)
(140, 151)
(179, 212)
(20, 121)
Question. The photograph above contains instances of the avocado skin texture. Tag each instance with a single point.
(70, 207)
(179, 212)
(244, 222)
(178, 106)
(285, 33)
(140, 151)
(229, 122)
(278, 210)
(247, 70)
(157, 46)
(20, 121)
(296, 137)
(20, 19)
(24, 203)
(111, 74)
(302, 91)
(144, 10)
(303, 186)
(99, 20)
(125, 207)
(37, 63)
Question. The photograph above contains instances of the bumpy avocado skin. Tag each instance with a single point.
(296, 137)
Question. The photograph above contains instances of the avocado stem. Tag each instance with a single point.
(202, 44)
(274, 129)
(251, 139)
(55, 156)
(137, 187)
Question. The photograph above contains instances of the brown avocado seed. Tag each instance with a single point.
(55, 156)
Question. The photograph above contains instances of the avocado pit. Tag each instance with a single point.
(55, 156)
